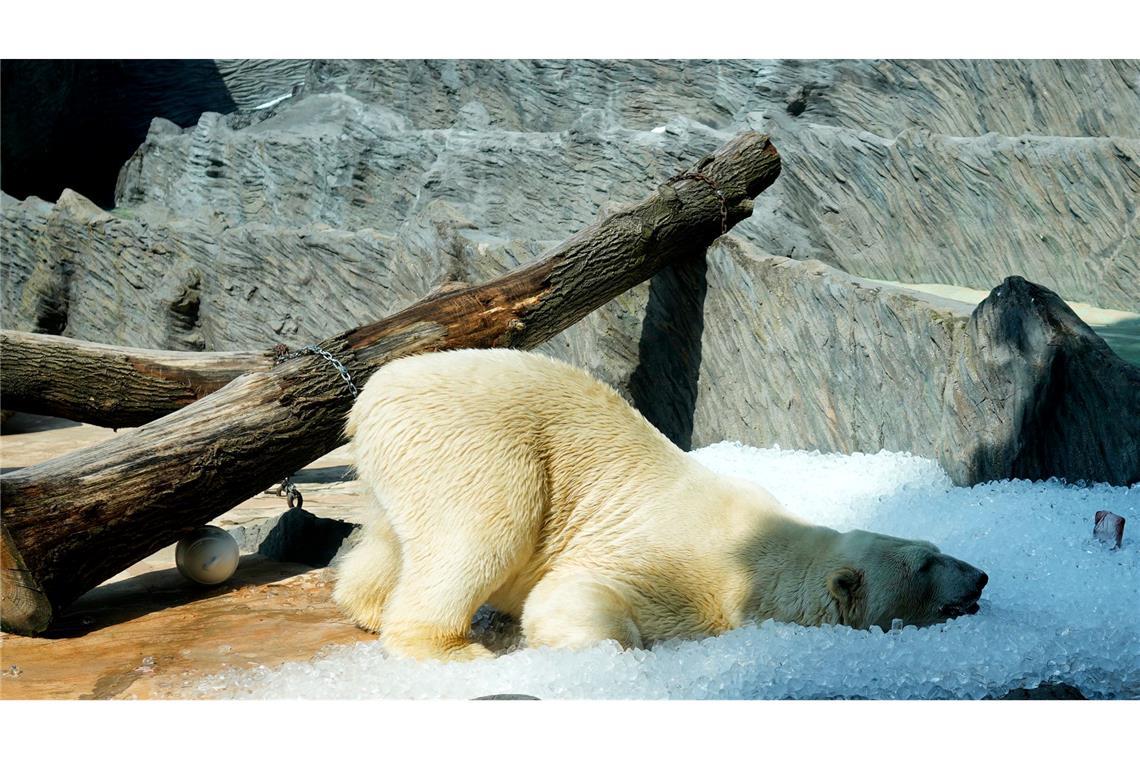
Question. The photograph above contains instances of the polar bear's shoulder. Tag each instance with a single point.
(482, 362)
(499, 372)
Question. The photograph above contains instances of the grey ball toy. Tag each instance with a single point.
(208, 556)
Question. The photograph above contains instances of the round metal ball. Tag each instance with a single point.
(208, 556)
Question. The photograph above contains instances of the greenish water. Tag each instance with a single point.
(1123, 338)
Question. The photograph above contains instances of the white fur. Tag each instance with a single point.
(506, 477)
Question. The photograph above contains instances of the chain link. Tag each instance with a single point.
(716, 189)
(288, 490)
(280, 356)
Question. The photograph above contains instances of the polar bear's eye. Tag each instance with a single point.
(927, 564)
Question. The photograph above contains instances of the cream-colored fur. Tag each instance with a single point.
(506, 477)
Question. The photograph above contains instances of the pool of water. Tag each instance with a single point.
(1120, 329)
(1124, 338)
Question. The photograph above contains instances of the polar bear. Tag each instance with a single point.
(509, 478)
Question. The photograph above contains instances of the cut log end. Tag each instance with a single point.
(24, 608)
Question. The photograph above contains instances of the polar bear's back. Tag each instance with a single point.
(528, 458)
(490, 388)
(480, 415)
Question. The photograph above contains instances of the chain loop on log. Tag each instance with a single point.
(280, 357)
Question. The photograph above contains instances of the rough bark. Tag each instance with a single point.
(111, 386)
(77, 520)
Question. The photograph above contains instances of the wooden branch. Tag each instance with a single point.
(112, 386)
(79, 519)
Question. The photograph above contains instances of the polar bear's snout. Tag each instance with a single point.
(967, 589)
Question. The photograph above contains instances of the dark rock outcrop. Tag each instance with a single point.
(72, 124)
(1044, 691)
(1042, 395)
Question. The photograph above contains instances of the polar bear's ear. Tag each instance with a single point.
(845, 585)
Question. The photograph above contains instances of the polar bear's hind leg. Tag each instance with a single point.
(429, 612)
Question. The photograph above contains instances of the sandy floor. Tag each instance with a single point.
(149, 633)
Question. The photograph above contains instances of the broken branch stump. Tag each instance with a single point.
(74, 521)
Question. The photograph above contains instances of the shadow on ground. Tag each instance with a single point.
(133, 598)
(33, 423)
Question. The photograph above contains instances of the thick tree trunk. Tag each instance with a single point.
(79, 519)
(111, 386)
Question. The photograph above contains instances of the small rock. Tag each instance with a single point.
(1046, 691)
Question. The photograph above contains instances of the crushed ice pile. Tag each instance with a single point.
(1060, 607)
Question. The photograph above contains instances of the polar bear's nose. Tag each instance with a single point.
(983, 579)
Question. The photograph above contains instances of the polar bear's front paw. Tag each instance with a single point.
(434, 647)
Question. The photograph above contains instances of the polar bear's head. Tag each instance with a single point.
(878, 579)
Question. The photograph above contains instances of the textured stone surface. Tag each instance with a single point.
(968, 211)
(194, 283)
(384, 179)
(884, 97)
(333, 159)
(1018, 388)
(908, 204)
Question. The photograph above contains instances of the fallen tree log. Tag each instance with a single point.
(74, 521)
(112, 386)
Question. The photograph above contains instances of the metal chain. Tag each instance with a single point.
(288, 490)
(280, 356)
(716, 189)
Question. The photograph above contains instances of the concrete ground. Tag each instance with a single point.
(149, 633)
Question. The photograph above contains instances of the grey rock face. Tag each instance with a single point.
(384, 179)
(968, 211)
(1039, 393)
(879, 358)
(1020, 387)
(883, 97)
(334, 160)
(388, 138)
(194, 283)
